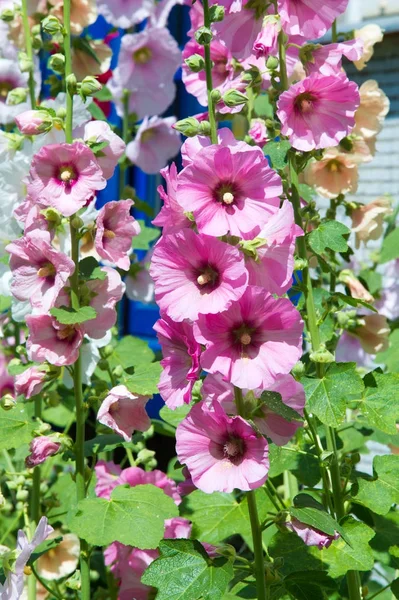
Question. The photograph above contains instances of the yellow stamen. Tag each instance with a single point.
(245, 339)
(110, 235)
(228, 198)
(48, 270)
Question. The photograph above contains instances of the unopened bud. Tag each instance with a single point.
(7, 402)
(188, 127)
(205, 128)
(322, 355)
(144, 456)
(52, 216)
(37, 43)
(90, 86)
(61, 112)
(36, 29)
(56, 63)
(300, 264)
(51, 25)
(22, 495)
(77, 222)
(34, 122)
(17, 96)
(71, 84)
(216, 96)
(118, 371)
(272, 63)
(204, 36)
(298, 370)
(216, 13)
(7, 15)
(102, 364)
(195, 63)
(234, 98)
(25, 63)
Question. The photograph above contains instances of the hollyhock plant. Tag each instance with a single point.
(62, 560)
(33, 122)
(334, 174)
(115, 230)
(125, 13)
(64, 177)
(327, 60)
(319, 111)
(30, 382)
(368, 220)
(100, 131)
(155, 143)
(229, 190)
(196, 274)
(266, 42)
(309, 18)
(39, 271)
(311, 536)
(181, 356)
(374, 107)
(239, 29)
(258, 132)
(51, 341)
(256, 340)
(124, 412)
(41, 448)
(171, 216)
(369, 35)
(222, 453)
(103, 295)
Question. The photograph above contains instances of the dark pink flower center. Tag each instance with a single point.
(207, 277)
(234, 449)
(244, 337)
(227, 193)
(305, 102)
(67, 333)
(47, 271)
(66, 175)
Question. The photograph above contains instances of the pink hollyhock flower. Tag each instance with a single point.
(257, 339)
(107, 478)
(39, 271)
(334, 174)
(369, 35)
(186, 487)
(327, 59)
(124, 412)
(171, 216)
(51, 341)
(266, 42)
(115, 230)
(128, 565)
(181, 367)
(258, 132)
(13, 587)
(41, 448)
(30, 382)
(368, 220)
(222, 453)
(309, 18)
(6, 380)
(64, 176)
(103, 296)
(274, 265)
(155, 143)
(275, 427)
(229, 189)
(318, 111)
(191, 146)
(196, 274)
(311, 536)
(177, 528)
(239, 30)
(125, 13)
(148, 58)
(33, 122)
(222, 68)
(100, 131)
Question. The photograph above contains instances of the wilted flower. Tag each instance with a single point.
(368, 220)
(370, 35)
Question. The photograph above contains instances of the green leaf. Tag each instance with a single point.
(263, 106)
(145, 379)
(372, 279)
(5, 303)
(342, 558)
(82, 44)
(142, 206)
(61, 496)
(277, 152)
(303, 464)
(143, 240)
(318, 519)
(382, 491)
(379, 401)
(104, 95)
(395, 588)
(69, 316)
(16, 427)
(306, 192)
(390, 247)
(354, 301)
(184, 572)
(274, 402)
(304, 585)
(329, 234)
(131, 352)
(297, 556)
(390, 357)
(174, 417)
(90, 269)
(327, 397)
(133, 516)
(105, 443)
(96, 112)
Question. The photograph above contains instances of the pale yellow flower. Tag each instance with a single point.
(370, 35)
(60, 561)
(374, 107)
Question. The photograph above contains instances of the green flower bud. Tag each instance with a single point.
(216, 13)
(90, 86)
(7, 402)
(11, 484)
(144, 456)
(25, 63)
(216, 96)
(188, 127)
(118, 371)
(300, 264)
(204, 36)
(71, 84)
(196, 63)
(22, 495)
(322, 355)
(234, 98)
(56, 63)
(61, 112)
(347, 144)
(17, 96)
(37, 43)
(205, 128)
(7, 15)
(51, 25)
(36, 29)
(77, 222)
(102, 364)
(272, 63)
(52, 216)
(298, 370)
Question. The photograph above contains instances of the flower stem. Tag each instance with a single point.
(208, 73)
(68, 70)
(35, 502)
(262, 591)
(29, 52)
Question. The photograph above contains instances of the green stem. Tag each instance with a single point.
(262, 591)
(35, 502)
(282, 58)
(68, 70)
(319, 451)
(208, 74)
(334, 33)
(29, 52)
(43, 583)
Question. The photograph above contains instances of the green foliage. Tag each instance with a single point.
(390, 247)
(302, 463)
(131, 352)
(358, 556)
(5, 303)
(327, 397)
(174, 417)
(331, 235)
(390, 357)
(133, 516)
(274, 402)
(263, 107)
(184, 572)
(379, 401)
(145, 379)
(147, 235)
(70, 316)
(89, 269)
(277, 152)
(382, 491)
(16, 427)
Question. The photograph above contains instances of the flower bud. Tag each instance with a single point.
(272, 63)
(77, 222)
(234, 98)
(102, 364)
(71, 84)
(90, 86)
(56, 63)
(108, 350)
(188, 127)
(205, 128)
(204, 36)
(51, 25)
(22, 495)
(144, 456)
(298, 370)
(216, 96)
(17, 96)
(33, 122)
(52, 216)
(25, 63)
(36, 29)
(118, 371)
(195, 62)
(7, 15)
(216, 13)
(300, 264)
(37, 43)
(322, 355)
(7, 402)
(41, 448)
(61, 112)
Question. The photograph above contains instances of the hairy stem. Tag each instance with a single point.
(208, 73)
(29, 52)
(35, 502)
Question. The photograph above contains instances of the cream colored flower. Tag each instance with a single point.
(60, 561)
(356, 288)
(83, 13)
(370, 35)
(368, 220)
(84, 64)
(374, 107)
(373, 333)
(336, 173)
